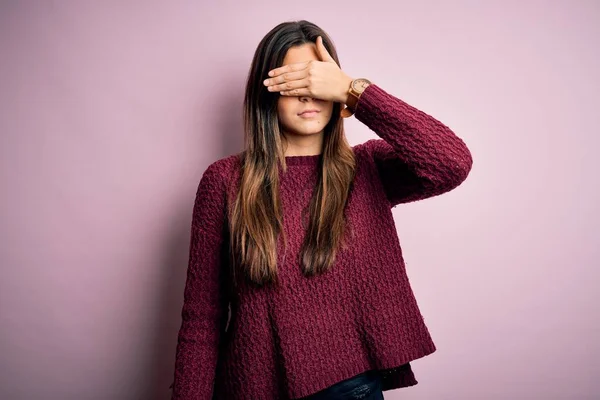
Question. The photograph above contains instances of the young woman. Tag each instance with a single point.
(296, 285)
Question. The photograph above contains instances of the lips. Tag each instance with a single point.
(312, 110)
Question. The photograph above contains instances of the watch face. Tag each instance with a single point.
(360, 84)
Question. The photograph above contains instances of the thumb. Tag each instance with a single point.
(323, 53)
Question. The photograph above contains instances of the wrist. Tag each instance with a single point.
(355, 89)
(347, 81)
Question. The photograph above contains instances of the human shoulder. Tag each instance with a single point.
(222, 169)
(212, 194)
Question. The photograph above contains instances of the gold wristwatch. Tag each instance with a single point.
(357, 86)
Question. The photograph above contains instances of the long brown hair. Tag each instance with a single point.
(256, 220)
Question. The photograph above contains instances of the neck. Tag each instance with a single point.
(303, 145)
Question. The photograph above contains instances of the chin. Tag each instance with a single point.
(308, 131)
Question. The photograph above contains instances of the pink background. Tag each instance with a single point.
(111, 112)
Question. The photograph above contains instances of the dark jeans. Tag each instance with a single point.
(365, 386)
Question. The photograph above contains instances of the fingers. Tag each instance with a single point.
(322, 50)
(297, 92)
(288, 68)
(287, 77)
(289, 86)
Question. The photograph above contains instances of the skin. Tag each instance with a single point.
(308, 79)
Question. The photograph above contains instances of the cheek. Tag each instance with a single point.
(284, 104)
(327, 106)
(283, 109)
(328, 109)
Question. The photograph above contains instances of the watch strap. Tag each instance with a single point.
(352, 100)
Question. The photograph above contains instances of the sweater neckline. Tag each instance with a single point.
(312, 159)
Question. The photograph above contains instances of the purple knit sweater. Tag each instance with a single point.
(297, 338)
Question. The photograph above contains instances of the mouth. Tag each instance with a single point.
(308, 113)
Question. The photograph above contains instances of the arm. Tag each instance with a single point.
(204, 304)
(417, 156)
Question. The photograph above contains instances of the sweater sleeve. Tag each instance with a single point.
(417, 156)
(204, 304)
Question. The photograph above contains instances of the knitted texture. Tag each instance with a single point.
(299, 337)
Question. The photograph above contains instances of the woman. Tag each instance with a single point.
(295, 236)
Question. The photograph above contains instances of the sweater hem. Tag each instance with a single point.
(405, 378)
